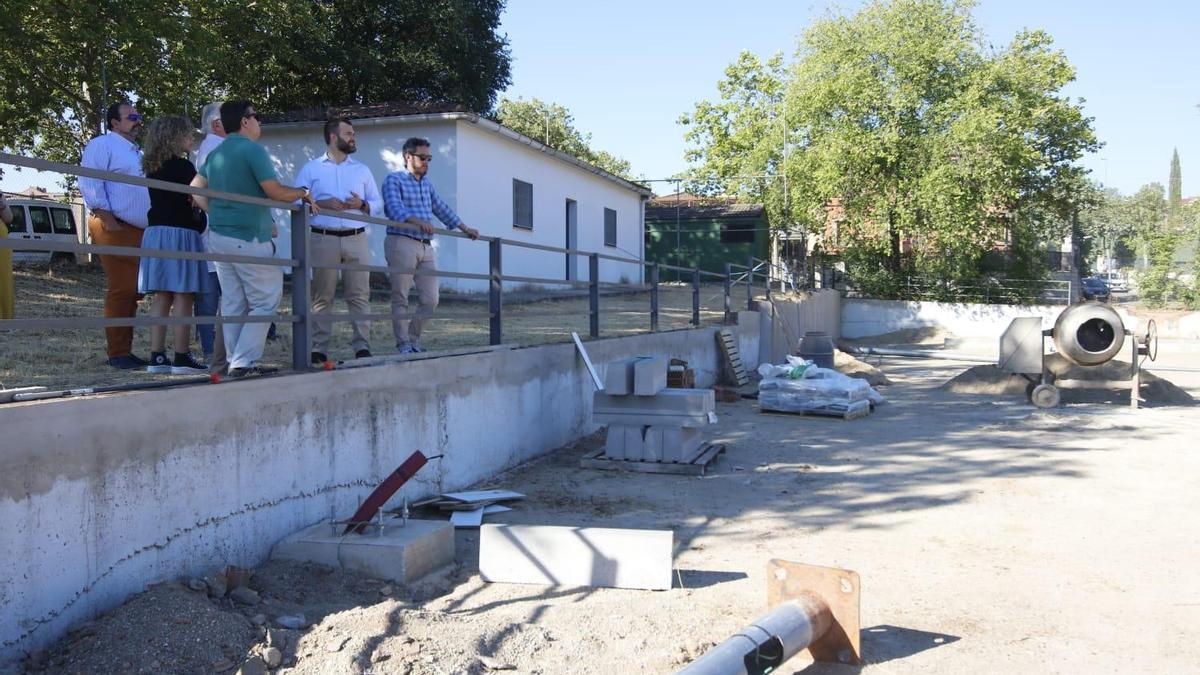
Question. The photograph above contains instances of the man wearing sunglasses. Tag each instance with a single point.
(242, 166)
(117, 217)
(410, 200)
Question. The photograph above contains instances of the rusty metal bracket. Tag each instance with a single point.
(837, 589)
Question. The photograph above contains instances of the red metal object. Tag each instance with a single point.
(384, 492)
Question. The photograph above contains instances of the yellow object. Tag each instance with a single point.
(6, 278)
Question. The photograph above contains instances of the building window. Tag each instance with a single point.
(522, 204)
(737, 232)
(610, 227)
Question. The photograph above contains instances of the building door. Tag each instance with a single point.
(572, 229)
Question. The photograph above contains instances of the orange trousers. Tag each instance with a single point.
(121, 271)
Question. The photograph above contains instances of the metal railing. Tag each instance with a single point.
(301, 266)
(989, 290)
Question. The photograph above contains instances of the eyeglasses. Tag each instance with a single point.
(423, 158)
(134, 117)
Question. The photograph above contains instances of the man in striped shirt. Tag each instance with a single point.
(410, 200)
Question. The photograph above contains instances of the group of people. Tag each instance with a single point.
(229, 159)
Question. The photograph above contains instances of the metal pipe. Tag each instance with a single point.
(919, 353)
(769, 641)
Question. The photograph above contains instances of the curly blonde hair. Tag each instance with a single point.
(166, 138)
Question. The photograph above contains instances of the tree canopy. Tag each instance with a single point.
(553, 125)
(65, 60)
(927, 139)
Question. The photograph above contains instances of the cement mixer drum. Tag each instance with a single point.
(1089, 333)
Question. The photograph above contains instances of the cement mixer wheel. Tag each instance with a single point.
(1045, 396)
(1150, 341)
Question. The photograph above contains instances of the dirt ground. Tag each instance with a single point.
(990, 536)
(76, 358)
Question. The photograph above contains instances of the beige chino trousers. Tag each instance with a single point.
(411, 255)
(327, 249)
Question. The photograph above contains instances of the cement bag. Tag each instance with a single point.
(787, 401)
(819, 386)
(830, 375)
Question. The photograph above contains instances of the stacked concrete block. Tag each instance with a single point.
(647, 422)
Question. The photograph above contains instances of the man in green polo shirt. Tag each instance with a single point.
(242, 166)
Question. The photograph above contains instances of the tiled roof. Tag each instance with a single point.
(715, 211)
(354, 112)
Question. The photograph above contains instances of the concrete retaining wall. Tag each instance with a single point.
(100, 497)
(784, 321)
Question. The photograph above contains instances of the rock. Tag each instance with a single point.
(216, 585)
(494, 664)
(258, 619)
(386, 590)
(245, 595)
(253, 666)
(293, 621)
(197, 585)
(273, 657)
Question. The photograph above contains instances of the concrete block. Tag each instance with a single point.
(672, 444)
(576, 556)
(614, 442)
(634, 442)
(401, 553)
(666, 402)
(618, 377)
(649, 375)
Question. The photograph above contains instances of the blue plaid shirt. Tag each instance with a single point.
(404, 195)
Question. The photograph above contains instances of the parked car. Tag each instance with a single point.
(1095, 288)
(41, 220)
(1117, 281)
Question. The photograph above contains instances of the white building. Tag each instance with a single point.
(501, 182)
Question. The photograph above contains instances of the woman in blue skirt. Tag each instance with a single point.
(175, 225)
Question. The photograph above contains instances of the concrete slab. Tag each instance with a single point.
(635, 418)
(401, 553)
(576, 556)
(649, 375)
(618, 377)
(667, 401)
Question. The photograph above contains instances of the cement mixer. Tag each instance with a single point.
(1086, 334)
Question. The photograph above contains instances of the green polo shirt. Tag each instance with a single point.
(239, 165)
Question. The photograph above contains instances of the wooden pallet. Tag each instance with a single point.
(848, 415)
(696, 466)
(733, 356)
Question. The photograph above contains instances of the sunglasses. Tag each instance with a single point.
(134, 117)
(253, 115)
(424, 158)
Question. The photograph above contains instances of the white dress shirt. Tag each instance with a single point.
(113, 152)
(327, 179)
(207, 145)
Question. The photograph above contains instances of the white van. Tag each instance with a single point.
(42, 220)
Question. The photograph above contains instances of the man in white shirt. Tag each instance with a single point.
(207, 304)
(340, 183)
(117, 217)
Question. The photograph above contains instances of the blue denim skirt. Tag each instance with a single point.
(167, 274)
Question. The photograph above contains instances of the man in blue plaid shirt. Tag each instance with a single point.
(410, 200)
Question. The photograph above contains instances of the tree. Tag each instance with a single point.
(553, 125)
(66, 60)
(1175, 193)
(928, 141)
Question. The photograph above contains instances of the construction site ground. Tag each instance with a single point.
(990, 536)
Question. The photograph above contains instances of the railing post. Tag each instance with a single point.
(654, 297)
(301, 338)
(696, 296)
(495, 290)
(594, 295)
(750, 284)
(728, 291)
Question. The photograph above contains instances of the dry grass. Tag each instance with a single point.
(76, 358)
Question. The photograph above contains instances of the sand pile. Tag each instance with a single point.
(848, 365)
(988, 379)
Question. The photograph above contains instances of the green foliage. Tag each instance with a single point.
(924, 136)
(553, 125)
(65, 60)
(1174, 193)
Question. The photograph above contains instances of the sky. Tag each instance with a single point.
(627, 70)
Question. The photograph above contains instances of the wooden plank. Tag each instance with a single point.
(847, 415)
(576, 556)
(733, 356)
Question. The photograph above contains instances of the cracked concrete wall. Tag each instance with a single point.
(101, 496)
